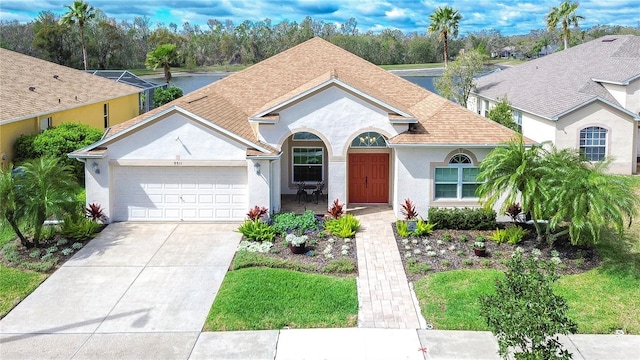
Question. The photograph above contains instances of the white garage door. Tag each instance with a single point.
(179, 193)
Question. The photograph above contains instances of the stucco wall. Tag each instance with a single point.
(620, 137)
(537, 128)
(414, 168)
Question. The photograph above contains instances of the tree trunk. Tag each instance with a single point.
(446, 49)
(84, 48)
(16, 229)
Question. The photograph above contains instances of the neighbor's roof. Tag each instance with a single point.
(32, 87)
(556, 84)
(233, 100)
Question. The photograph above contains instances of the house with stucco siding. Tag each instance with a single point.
(586, 97)
(38, 94)
(314, 114)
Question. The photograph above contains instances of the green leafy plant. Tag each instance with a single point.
(525, 314)
(403, 228)
(424, 228)
(285, 223)
(499, 236)
(256, 230)
(408, 210)
(447, 237)
(515, 234)
(78, 229)
(344, 227)
(342, 266)
(463, 238)
(414, 266)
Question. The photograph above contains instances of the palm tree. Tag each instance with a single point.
(81, 12)
(9, 203)
(512, 174)
(444, 22)
(47, 188)
(566, 15)
(163, 55)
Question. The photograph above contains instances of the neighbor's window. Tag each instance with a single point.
(308, 164)
(593, 143)
(457, 180)
(517, 118)
(106, 115)
(45, 123)
(369, 139)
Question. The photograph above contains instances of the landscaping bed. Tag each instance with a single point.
(446, 250)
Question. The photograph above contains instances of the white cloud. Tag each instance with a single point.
(395, 14)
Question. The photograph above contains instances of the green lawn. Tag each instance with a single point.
(15, 285)
(600, 301)
(265, 298)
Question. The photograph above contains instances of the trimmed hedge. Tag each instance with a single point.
(462, 219)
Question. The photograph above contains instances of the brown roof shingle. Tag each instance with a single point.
(30, 87)
(231, 101)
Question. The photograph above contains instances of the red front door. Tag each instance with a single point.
(369, 178)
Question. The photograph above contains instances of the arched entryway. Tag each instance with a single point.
(368, 166)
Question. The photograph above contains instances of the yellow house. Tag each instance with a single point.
(37, 94)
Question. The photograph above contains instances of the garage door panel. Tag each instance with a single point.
(179, 194)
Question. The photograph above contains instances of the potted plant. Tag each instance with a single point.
(479, 247)
(296, 243)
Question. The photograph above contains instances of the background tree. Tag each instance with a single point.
(163, 96)
(565, 14)
(163, 55)
(46, 188)
(444, 22)
(458, 79)
(524, 313)
(81, 13)
(502, 113)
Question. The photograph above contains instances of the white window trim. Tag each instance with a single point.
(606, 141)
(459, 184)
(316, 139)
(105, 109)
(293, 164)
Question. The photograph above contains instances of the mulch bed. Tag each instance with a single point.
(450, 252)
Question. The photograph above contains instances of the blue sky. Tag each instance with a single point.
(509, 16)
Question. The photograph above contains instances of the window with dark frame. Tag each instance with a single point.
(308, 164)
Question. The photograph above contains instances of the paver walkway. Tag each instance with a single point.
(383, 291)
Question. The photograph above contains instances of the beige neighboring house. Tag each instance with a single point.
(314, 114)
(586, 97)
(36, 94)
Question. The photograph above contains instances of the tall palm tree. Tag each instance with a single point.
(47, 188)
(444, 22)
(81, 13)
(565, 14)
(163, 55)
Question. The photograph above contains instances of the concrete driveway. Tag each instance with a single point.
(132, 278)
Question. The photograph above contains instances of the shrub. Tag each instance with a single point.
(163, 96)
(524, 313)
(343, 266)
(499, 236)
(423, 228)
(344, 227)
(257, 212)
(402, 228)
(409, 210)
(336, 210)
(513, 211)
(256, 230)
(78, 229)
(284, 223)
(463, 219)
(24, 149)
(95, 213)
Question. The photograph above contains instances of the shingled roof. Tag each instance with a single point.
(556, 84)
(31, 87)
(233, 100)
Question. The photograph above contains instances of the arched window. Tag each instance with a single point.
(458, 179)
(305, 136)
(369, 139)
(593, 143)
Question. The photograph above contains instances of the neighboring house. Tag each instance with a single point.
(38, 94)
(586, 97)
(548, 50)
(126, 77)
(315, 114)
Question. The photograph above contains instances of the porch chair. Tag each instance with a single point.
(318, 191)
(302, 192)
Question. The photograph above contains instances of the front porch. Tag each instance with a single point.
(290, 203)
